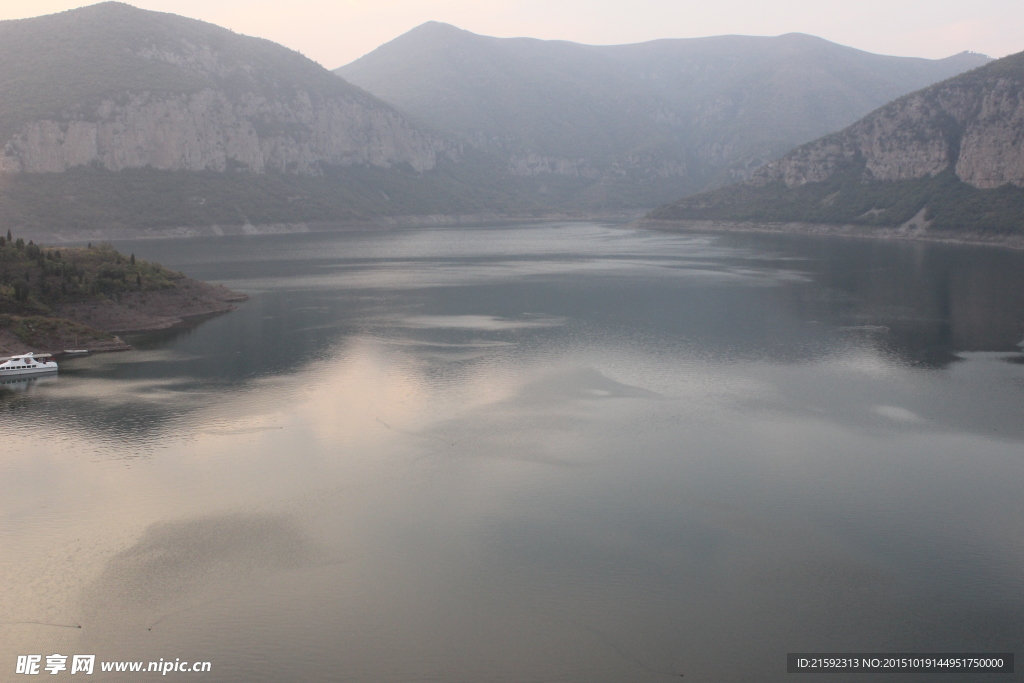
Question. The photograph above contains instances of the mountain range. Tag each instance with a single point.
(637, 125)
(117, 119)
(949, 157)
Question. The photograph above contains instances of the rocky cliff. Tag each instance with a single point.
(210, 130)
(194, 97)
(949, 156)
(972, 124)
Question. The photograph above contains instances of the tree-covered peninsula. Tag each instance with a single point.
(55, 298)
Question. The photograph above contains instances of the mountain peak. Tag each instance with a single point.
(429, 33)
(108, 9)
(110, 6)
(437, 27)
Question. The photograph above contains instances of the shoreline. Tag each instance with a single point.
(632, 219)
(10, 344)
(56, 342)
(95, 323)
(837, 230)
(153, 311)
(378, 223)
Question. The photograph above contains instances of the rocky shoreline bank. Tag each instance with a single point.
(903, 233)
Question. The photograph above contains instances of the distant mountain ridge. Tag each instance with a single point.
(948, 157)
(643, 122)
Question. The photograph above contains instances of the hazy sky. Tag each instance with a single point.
(334, 32)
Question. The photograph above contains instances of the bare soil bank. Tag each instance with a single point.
(44, 334)
(860, 231)
(144, 311)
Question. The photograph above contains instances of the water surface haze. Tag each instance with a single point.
(556, 452)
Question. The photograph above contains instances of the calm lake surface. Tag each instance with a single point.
(573, 452)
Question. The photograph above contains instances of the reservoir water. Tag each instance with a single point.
(574, 452)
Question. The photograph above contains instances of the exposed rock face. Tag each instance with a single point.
(946, 161)
(132, 89)
(535, 164)
(974, 122)
(992, 146)
(210, 131)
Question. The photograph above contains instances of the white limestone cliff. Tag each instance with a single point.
(209, 130)
(978, 130)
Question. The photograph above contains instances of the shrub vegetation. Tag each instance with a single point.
(34, 279)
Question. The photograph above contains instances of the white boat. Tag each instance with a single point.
(27, 364)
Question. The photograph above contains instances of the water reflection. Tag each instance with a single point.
(928, 302)
(489, 296)
(21, 385)
(535, 453)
